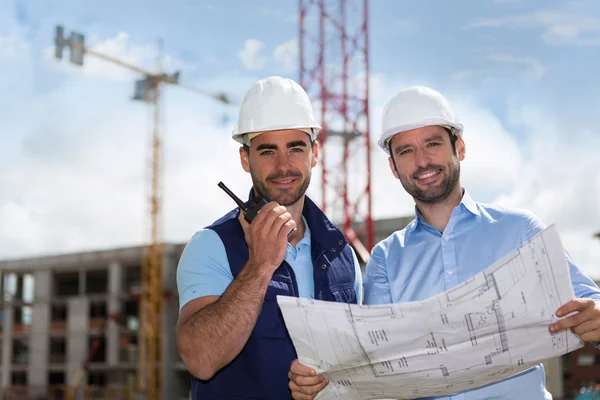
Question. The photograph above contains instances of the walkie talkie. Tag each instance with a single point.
(251, 210)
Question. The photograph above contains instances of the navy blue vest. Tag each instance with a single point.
(260, 370)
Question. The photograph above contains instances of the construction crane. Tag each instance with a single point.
(334, 67)
(147, 89)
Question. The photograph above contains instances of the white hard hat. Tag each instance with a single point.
(271, 104)
(416, 107)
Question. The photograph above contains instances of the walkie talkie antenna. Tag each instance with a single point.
(237, 200)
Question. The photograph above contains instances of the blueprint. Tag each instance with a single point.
(486, 329)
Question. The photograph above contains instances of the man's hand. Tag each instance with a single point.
(585, 323)
(304, 382)
(267, 235)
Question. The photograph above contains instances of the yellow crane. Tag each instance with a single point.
(147, 90)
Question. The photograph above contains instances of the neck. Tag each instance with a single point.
(437, 215)
(296, 211)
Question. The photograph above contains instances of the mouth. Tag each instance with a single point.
(284, 182)
(428, 176)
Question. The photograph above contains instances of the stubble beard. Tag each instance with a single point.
(439, 193)
(282, 197)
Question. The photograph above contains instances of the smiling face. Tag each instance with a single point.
(280, 163)
(427, 163)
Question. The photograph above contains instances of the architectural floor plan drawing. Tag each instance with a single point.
(486, 329)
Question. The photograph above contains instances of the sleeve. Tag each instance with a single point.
(583, 286)
(376, 284)
(203, 269)
(358, 278)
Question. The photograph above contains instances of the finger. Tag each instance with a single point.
(300, 369)
(301, 380)
(591, 336)
(280, 223)
(301, 396)
(297, 394)
(271, 215)
(573, 320)
(569, 322)
(243, 222)
(285, 230)
(574, 305)
(309, 392)
(264, 212)
(587, 326)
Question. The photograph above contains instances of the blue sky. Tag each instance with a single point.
(74, 148)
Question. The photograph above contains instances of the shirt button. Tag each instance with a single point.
(449, 272)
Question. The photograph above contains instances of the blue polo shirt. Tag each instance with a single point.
(204, 270)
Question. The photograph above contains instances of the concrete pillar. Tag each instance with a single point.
(115, 288)
(554, 377)
(82, 283)
(77, 335)
(19, 288)
(39, 338)
(8, 312)
(169, 323)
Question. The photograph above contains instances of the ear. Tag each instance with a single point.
(244, 155)
(393, 167)
(461, 148)
(315, 153)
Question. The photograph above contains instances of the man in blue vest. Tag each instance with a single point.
(231, 334)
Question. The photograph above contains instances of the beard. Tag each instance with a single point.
(433, 194)
(284, 197)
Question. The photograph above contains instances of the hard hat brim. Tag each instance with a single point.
(245, 138)
(456, 128)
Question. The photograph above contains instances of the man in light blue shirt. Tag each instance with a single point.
(454, 237)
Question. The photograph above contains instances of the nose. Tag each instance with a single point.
(422, 158)
(282, 161)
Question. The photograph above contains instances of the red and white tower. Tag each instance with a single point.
(334, 70)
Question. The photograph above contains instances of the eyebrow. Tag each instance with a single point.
(289, 145)
(434, 138)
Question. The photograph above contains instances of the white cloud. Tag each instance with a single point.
(463, 74)
(12, 47)
(406, 25)
(80, 177)
(503, 65)
(558, 27)
(488, 145)
(286, 55)
(560, 183)
(97, 197)
(251, 55)
(533, 66)
(121, 48)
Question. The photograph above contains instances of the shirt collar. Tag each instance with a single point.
(467, 202)
(305, 241)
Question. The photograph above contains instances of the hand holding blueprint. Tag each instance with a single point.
(488, 328)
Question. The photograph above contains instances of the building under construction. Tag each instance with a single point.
(73, 320)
